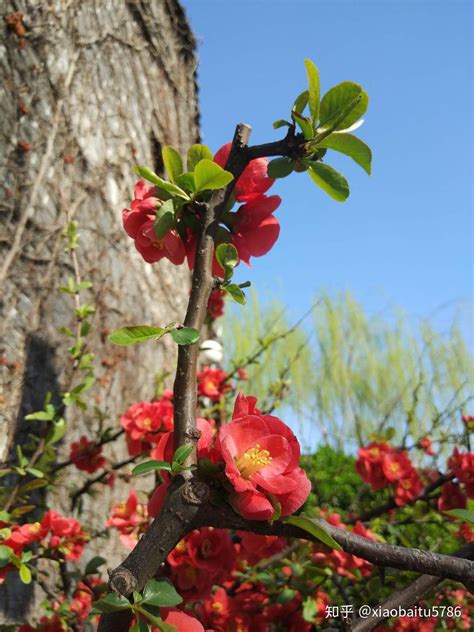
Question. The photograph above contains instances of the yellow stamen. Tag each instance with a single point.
(252, 461)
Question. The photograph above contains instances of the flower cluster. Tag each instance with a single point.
(252, 229)
(86, 455)
(380, 465)
(138, 222)
(144, 422)
(203, 559)
(344, 564)
(61, 537)
(252, 607)
(130, 519)
(212, 383)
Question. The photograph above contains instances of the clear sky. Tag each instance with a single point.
(404, 236)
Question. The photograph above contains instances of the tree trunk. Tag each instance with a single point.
(90, 88)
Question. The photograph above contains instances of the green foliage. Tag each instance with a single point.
(329, 180)
(164, 219)
(338, 111)
(142, 333)
(316, 530)
(350, 146)
(196, 153)
(208, 175)
(334, 480)
(151, 466)
(172, 161)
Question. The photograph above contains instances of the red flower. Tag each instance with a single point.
(215, 304)
(396, 465)
(261, 456)
(253, 182)
(212, 550)
(254, 547)
(182, 621)
(408, 489)
(67, 535)
(138, 223)
(255, 229)
(144, 421)
(130, 519)
(451, 497)
(427, 446)
(462, 464)
(25, 534)
(212, 384)
(217, 609)
(86, 455)
(369, 464)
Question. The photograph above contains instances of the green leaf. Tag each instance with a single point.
(329, 180)
(343, 105)
(156, 620)
(5, 554)
(136, 333)
(304, 124)
(316, 530)
(186, 182)
(34, 471)
(94, 564)
(169, 187)
(313, 90)
(42, 415)
(196, 153)
(185, 335)
(164, 219)
(182, 453)
(37, 483)
(466, 515)
(227, 257)
(56, 432)
(172, 161)
(301, 102)
(111, 603)
(280, 167)
(236, 293)
(208, 175)
(281, 123)
(310, 609)
(140, 626)
(285, 595)
(25, 574)
(151, 466)
(160, 593)
(350, 146)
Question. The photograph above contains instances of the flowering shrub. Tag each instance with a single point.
(232, 534)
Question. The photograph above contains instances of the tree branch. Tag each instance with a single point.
(410, 595)
(378, 553)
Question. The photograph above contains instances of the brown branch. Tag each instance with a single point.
(187, 496)
(410, 595)
(378, 553)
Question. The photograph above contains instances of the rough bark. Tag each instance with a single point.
(89, 89)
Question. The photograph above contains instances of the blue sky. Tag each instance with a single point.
(405, 234)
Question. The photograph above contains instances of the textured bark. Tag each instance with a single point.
(90, 89)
